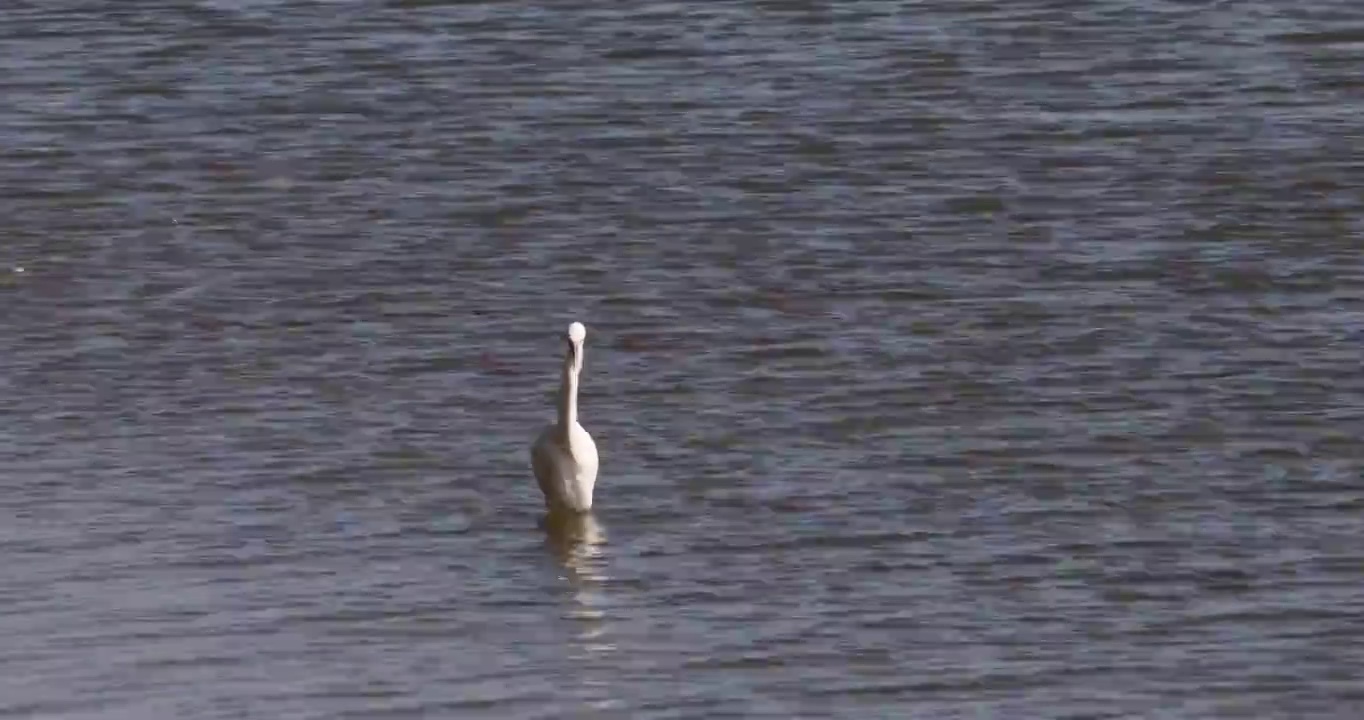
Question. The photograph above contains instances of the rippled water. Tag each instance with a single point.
(945, 359)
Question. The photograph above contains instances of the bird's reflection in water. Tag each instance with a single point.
(578, 542)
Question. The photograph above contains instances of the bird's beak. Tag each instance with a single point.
(573, 356)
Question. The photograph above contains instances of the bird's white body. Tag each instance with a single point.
(565, 465)
(564, 457)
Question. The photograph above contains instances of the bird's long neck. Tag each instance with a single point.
(568, 397)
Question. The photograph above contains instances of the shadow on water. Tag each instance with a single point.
(578, 542)
(574, 538)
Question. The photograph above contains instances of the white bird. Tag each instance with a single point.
(564, 457)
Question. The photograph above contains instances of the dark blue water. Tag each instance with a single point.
(944, 359)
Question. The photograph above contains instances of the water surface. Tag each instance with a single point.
(945, 359)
